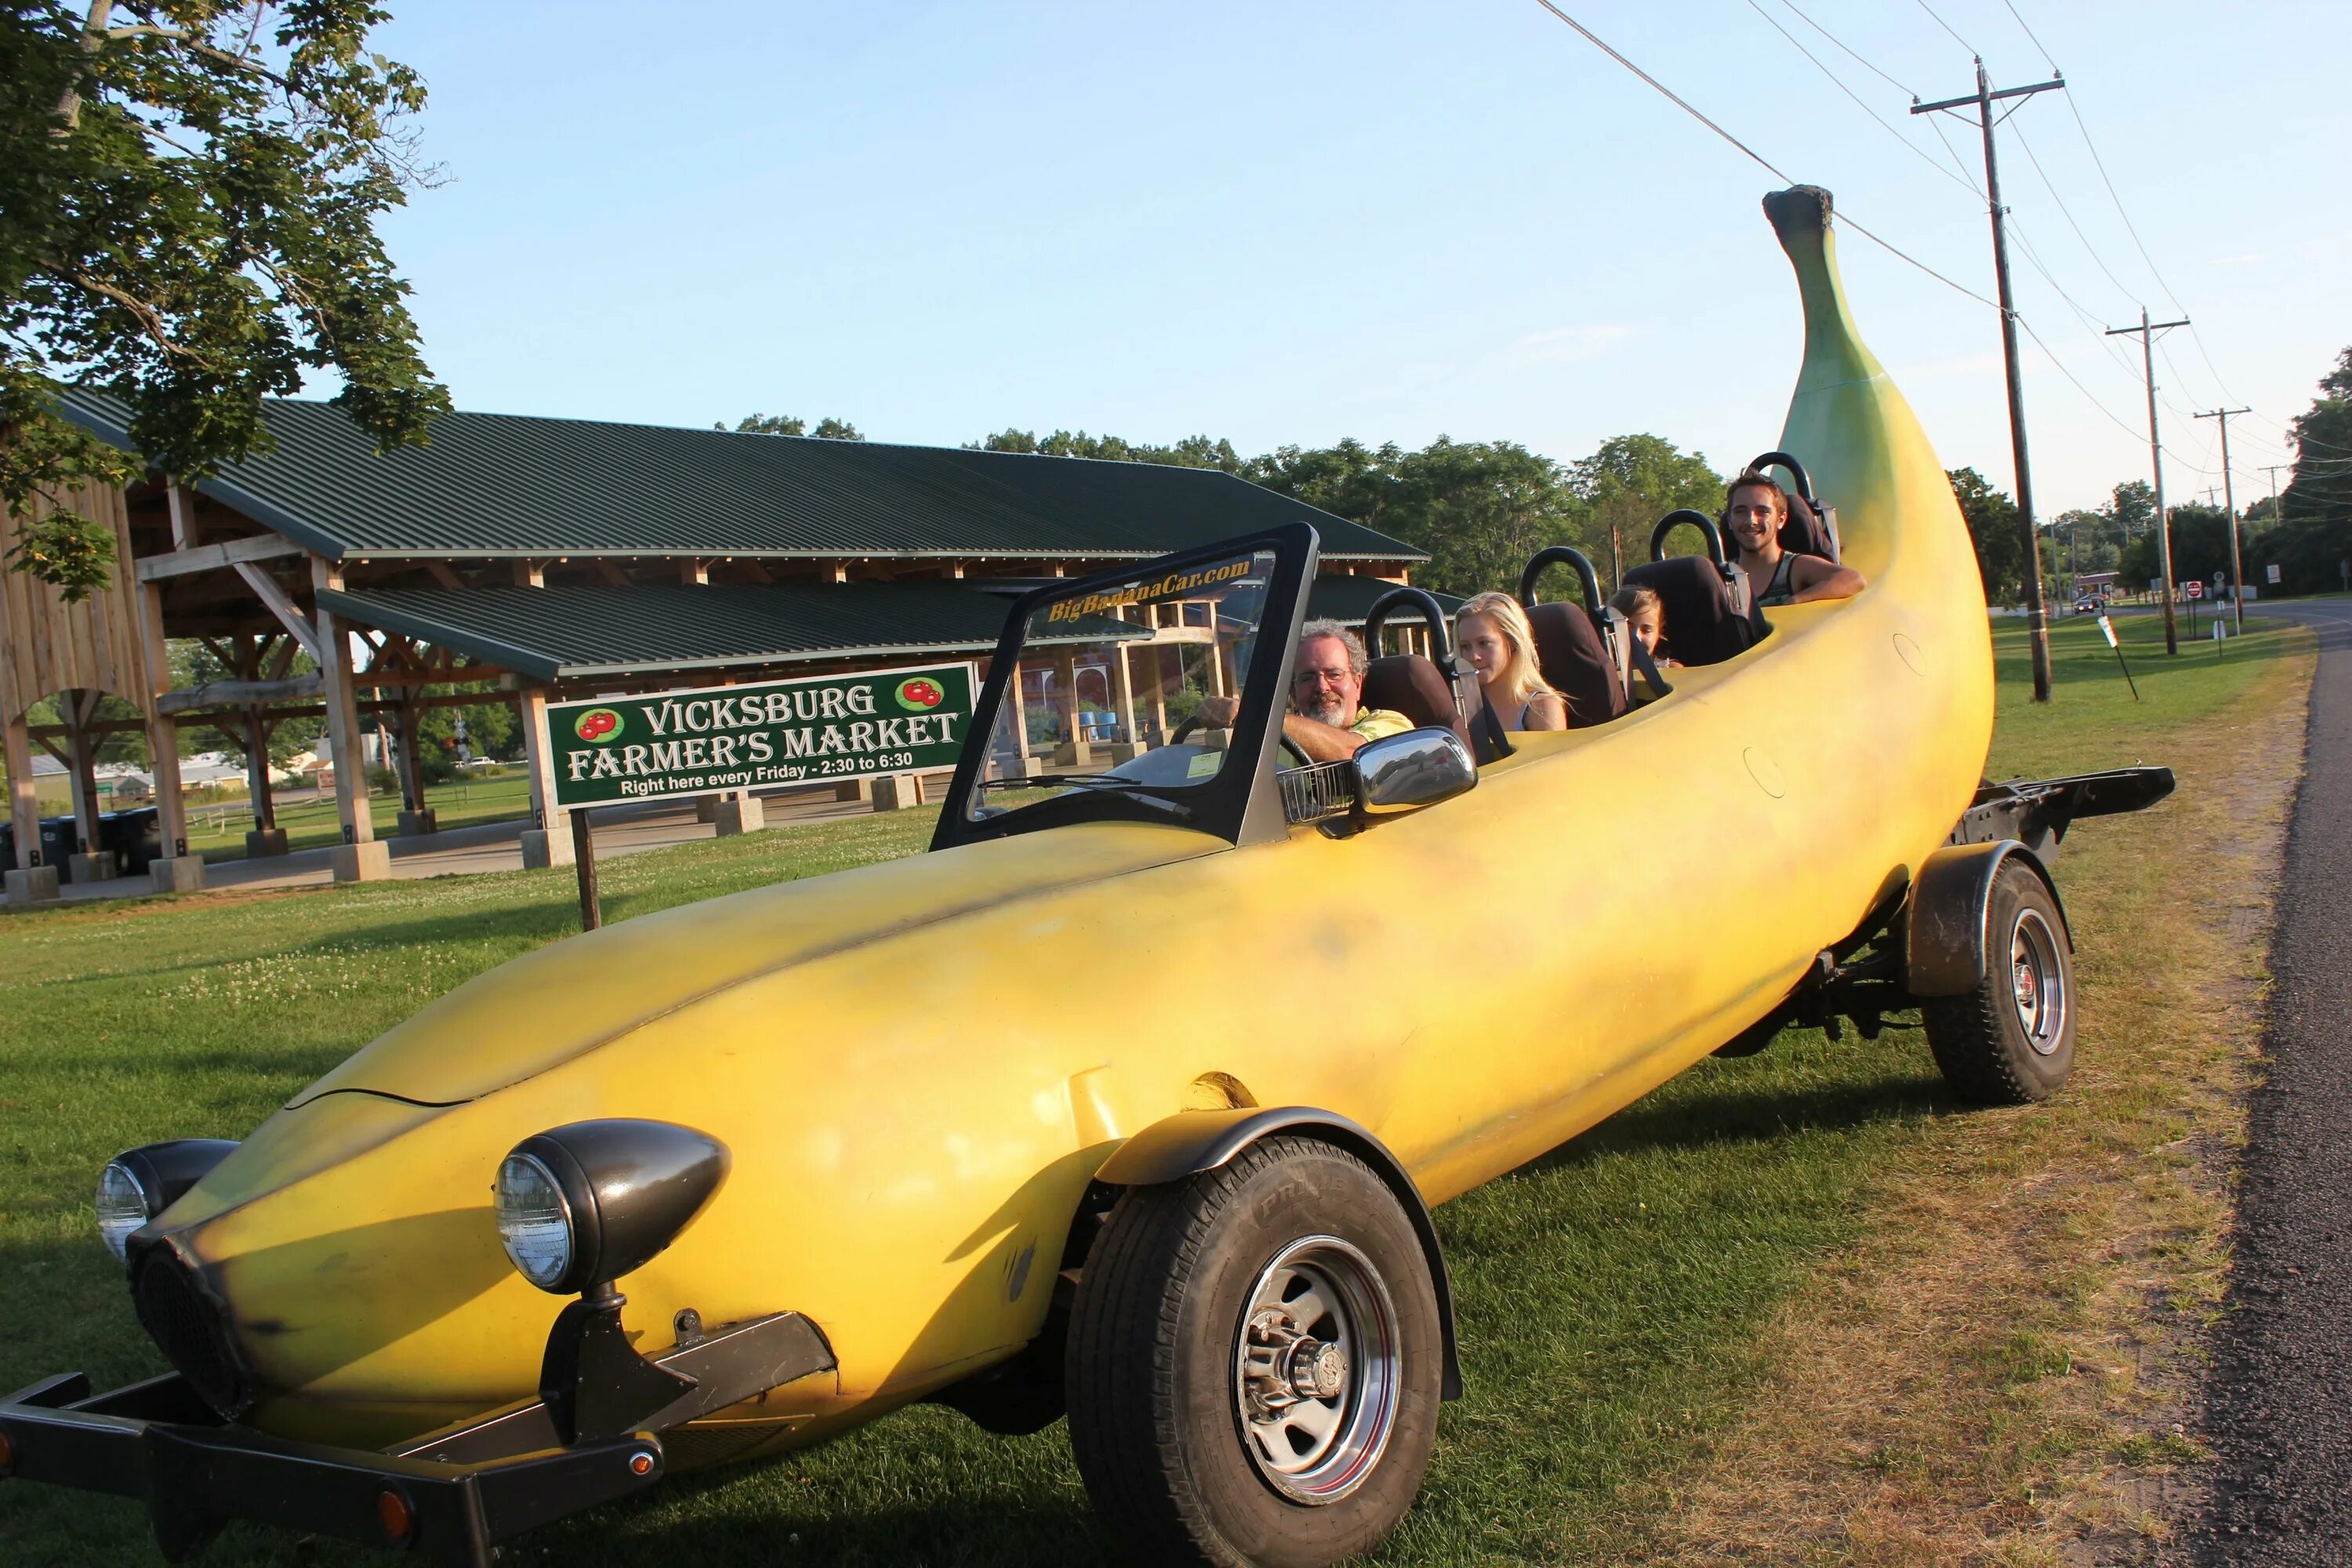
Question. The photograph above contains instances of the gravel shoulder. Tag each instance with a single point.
(2278, 1400)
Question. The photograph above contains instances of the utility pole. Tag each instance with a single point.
(2278, 504)
(2229, 500)
(2146, 334)
(2037, 613)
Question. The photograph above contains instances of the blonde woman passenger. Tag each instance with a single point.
(1491, 632)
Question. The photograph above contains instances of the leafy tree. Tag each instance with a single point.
(827, 428)
(1992, 528)
(1192, 452)
(188, 195)
(1631, 483)
(2314, 536)
(1351, 480)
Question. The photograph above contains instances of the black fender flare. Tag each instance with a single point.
(1192, 1141)
(1944, 941)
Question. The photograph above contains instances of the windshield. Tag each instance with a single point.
(1116, 689)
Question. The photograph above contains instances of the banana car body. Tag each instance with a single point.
(923, 1072)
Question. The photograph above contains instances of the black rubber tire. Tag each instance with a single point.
(1153, 1336)
(1980, 1039)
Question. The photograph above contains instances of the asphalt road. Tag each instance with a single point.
(2279, 1408)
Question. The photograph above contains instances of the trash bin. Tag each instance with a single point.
(135, 836)
(60, 839)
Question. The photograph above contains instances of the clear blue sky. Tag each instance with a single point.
(1290, 222)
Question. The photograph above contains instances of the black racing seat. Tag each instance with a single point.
(1703, 627)
(1811, 527)
(1408, 684)
(1576, 664)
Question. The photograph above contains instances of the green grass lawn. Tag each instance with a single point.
(1610, 1292)
(217, 833)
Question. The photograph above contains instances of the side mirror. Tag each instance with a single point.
(1407, 772)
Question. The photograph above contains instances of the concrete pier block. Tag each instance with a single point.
(263, 841)
(894, 790)
(415, 822)
(544, 847)
(705, 808)
(37, 886)
(852, 789)
(1074, 755)
(1124, 751)
(741, 814)
(98, 865)
(180, 873)
(368, 862)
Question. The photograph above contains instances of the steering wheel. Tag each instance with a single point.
(1176, 738)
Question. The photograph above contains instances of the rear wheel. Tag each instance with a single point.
(1255, 1363)
(2010, 1041)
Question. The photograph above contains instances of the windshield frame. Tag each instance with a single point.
(1243, 804)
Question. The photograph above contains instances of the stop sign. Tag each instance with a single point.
(2193, 588)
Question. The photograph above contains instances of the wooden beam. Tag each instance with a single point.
(238, 692)
(343, 716)
(214, 557)
(272, 592)
(613, 574)
(445, 574)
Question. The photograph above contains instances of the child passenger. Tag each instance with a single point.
(1491, 631)
(1645, 617)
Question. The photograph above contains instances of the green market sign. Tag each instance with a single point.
(721, 738)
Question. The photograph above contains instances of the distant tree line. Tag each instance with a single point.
(1479, 508)
(2307, 534)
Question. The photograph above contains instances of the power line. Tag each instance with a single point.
(1947, 27)
(2068, 212)
(1840, 42)
(1680, 102)
(2037, 42)
(1909, 145)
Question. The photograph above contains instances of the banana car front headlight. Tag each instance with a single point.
(582, 1205)
(140, 1183)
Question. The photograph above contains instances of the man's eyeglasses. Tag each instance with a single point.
(1306, 678)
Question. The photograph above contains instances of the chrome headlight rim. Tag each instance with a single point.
(116, 1209)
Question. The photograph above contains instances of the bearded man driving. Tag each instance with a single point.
(1328, 719)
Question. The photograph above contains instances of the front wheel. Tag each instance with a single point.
(2010, 1041)
(1255, 1363)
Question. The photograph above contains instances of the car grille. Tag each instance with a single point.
(187, 1328)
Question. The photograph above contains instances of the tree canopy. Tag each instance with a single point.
(1991, 518)
(188, 197)
(827, 428)
(2314, 534)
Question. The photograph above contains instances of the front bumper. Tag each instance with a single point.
(448, 1497)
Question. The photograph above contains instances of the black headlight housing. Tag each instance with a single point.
(623, 1189)
(140, 1183)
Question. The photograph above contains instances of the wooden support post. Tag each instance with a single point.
(24, 805)
(583, 855)
(1130, 721)
(359, 858)
(175, 870)
(545, 842)
(91, 863)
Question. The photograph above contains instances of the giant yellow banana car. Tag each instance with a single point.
(1130, 1100)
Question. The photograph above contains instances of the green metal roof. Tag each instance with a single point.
(1348, 600)
(560, 633)
(509, 485)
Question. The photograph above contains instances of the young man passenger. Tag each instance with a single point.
(1328, 719)
(1775, 576)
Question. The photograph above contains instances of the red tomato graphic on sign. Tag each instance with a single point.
(598, 724)
(918, 694)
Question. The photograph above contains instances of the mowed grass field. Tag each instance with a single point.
(218, 833)
(1613, 1294)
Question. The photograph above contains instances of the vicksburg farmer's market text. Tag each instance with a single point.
(756, 736)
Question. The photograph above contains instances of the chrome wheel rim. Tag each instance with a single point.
(1316, 1370)
(2037, 981)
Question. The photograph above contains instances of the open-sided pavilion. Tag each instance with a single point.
(560, 558)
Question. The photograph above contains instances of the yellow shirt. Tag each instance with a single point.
(1379, 723)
